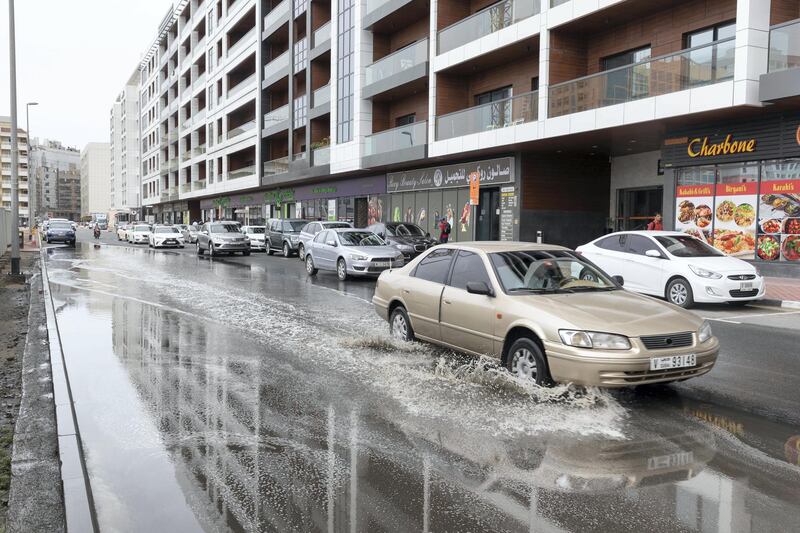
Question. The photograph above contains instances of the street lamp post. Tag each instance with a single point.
(14, 148)
(31, 211)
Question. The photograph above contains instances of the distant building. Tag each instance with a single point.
(95, 179)
(5, 155)
(55, 177)
(125, 175)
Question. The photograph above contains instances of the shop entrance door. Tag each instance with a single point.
(488, 211)
(637, 207)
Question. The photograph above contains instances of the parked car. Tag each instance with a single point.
(284, 235)
(122, 232)
(351, 252)
(408, 238)
(546, 313)
(60, 231)
(190, 233)
(310, 230)
(138, 234)
(164, 236)
(676, 266)
(221, 237)
(257, 236)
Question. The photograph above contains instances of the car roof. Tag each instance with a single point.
(501, 246)
(645, 232)
(345, 230)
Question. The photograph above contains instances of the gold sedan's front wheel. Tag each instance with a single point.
(527, 361)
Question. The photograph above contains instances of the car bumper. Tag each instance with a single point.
(232, 247)
(624, 369)
(726, 290)
(158, 244)
(140, 240)
(368, 268)
(258, 245)
(61, 238)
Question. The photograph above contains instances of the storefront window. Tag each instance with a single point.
(345, 210)
(779, 211)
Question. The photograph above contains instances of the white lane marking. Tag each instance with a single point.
(722, 320)
(756, 315)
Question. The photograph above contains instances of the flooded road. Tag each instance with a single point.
(221, 396)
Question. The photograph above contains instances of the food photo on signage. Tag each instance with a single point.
(694, 208)
(779, 220)
(735, 211)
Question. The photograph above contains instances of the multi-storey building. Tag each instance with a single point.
(55, 170)
(125, 183)
(95, 179)
(22, 169)
(576, 116)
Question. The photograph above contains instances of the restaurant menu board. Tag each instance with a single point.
(735, 218)
(508, 203)
(779, 221)
(694, 210)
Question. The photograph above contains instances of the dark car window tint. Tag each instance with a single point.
(615, 243)
(639, 245)
(435, 266)
(469, 267)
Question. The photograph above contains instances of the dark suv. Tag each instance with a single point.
(284, 235)
(406, 237)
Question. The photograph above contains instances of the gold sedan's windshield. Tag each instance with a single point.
(547, 271)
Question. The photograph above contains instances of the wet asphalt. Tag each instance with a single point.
(238, 394)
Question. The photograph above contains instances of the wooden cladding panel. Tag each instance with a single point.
(783, 11)
(567, 57)
(452, 93)
(565, 183)
(518, 74)
(384, 114)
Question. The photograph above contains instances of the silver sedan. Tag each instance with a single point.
(351, 252)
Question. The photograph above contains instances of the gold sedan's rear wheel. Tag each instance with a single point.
(400, 325)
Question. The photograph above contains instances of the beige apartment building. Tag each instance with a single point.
(95, 179)
(22, 169)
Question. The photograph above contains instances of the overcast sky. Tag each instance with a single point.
(74, 57)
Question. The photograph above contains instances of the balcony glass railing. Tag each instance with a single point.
(694, 67)
(415, 134)
(321, 156)
(238, 45)
(556, 3)
(187, 155)
(398, 61)
(299, 156)
(173, 136)
(322, 34)
(784, 46)
(199, 81)
(276, 65)
(186, 187)
(372, 5)
(276, 116)
(500, 114)
(242, 172)
(199, 150)
(321, 96)
(240, 87)
(276, 166)
(486, 21)
(281, 11)
(247, 126)
(198, 185)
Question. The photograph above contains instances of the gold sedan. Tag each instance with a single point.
(548, 314)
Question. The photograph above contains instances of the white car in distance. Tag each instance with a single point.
(166, 236)
(257, 236)
(138, 234)
(676, 266)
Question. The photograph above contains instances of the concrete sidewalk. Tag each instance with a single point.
(783, 290)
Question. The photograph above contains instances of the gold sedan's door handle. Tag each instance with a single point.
(406, 291)
(447, 302)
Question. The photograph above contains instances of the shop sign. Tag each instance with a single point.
(735, 218)
(474, 188)
(279, 196)
(491, 172)
(365, 186)
(222, 202)
(702, 148)
(779, 221)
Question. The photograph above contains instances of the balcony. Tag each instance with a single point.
(276, 17)
(242, 172)
(239, 45)
(321, 96)
(276, 166)
(783, 78)
(199, 150)
(198, 185)
(244, 128)
(321, 156)
(242, 86)
(399, 68)
(199, 82)
(185, 156)
(276, 120)
(173, 136)
(687, 69)
(486, 117)
(165, 195)
(186, 187)
(273, 70)
(485, 22)
(321, 35)
(405, 143)
(386, 16)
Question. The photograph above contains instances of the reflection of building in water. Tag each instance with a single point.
(259, 446)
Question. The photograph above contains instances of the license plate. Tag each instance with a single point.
(673, 460)
(746, 286)
(673, 361)
(170, 241)
(382, 264)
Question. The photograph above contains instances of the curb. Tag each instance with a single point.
(783, 304)
(78, 499)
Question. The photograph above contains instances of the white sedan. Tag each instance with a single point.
(138, 234)
(122, 232)
(257, 236)
(675, 266)
(164, 236)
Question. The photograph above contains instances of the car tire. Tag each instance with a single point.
(526, 360)
(269, 248)
(182, 246)
(301, 252)
(245, 254)
(311, 270)
(341, 269)
(211, 251)
(286, 250)
(400, 325)
(679, 292)
(199, 250)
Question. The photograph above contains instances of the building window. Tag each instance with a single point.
(624, 84)
(345, 59)
(405, 120)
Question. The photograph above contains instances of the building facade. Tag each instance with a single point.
(55, 172)
(125, 183)
(568, 113)
(95, 179)
(22, 169)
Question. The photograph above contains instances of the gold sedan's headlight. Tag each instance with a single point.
(704, 333)
(594, 339)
